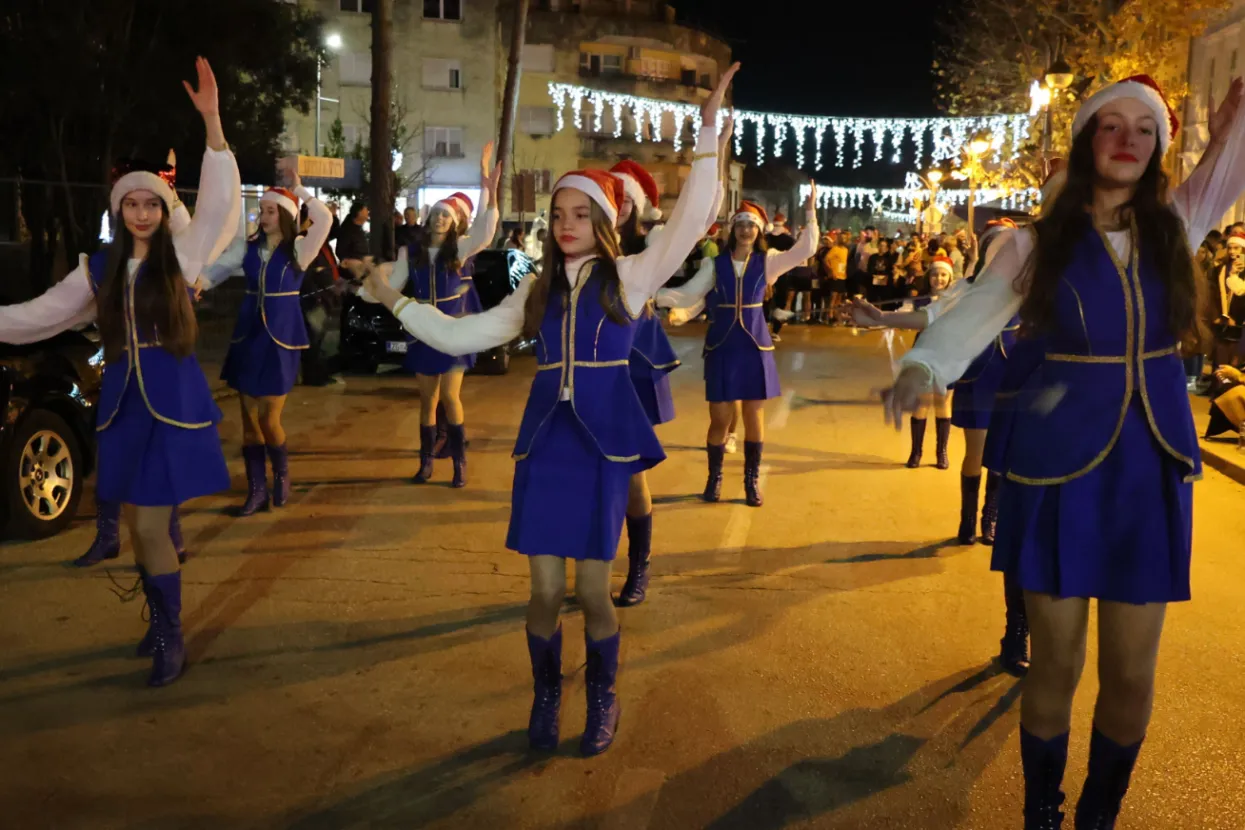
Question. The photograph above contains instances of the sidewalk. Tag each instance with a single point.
(1219, 452)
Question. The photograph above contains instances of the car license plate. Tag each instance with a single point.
(396, 347)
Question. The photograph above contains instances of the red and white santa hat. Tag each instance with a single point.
(641, 187)
(130, 175)
(282, 198)
(459, 205)
(751, 212)
(1237, 238)
(601, 186)
(942, 262)
(1144, 89)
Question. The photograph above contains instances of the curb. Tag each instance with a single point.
(1218, 455)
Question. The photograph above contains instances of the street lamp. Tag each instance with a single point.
(930, 180)
(333, 43)
(976, 149)
(1059, 76)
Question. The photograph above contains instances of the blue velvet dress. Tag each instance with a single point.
(269, 338)
(1097, 500)
(156, 419)
(454, 294)
(974, 396)
(652, 360)
(574, 458)
(739, 354)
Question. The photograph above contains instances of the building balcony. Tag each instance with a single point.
(610, 80)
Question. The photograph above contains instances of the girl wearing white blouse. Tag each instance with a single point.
(1096, 502)
(158, 444)
(584, 432)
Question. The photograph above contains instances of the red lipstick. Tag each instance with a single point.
(566, 239)
(1124, 157)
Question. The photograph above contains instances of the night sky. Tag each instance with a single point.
(817, 57)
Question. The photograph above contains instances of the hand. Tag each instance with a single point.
(810, 204)
(207, 98)
(374, 283)
(709, 112)
(287, 173)
(865, 314)
(198, 287)
(905, 395)
(1220, 120)
(171, 160)
(677, 316)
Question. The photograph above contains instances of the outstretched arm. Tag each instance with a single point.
(778, 263)
(691, 292)
(307, 247)
(65, 305)
(225, 266)
(484, 225)
(1219, 178)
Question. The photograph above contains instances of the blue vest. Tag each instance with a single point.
(271, 301)
(988, 364)
(652, 351)
(452, 292)
(1110, 341)
(738, 301)
(579, 348)
(174, 389)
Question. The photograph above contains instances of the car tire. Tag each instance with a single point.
(40, 502)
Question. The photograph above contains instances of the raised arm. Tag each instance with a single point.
(690, 292)
(455, 335)
(1219, 178)
(65, 305)
(394, 274)
(216, 210)
(225, 266)
(641, 275)
(484, 225)
(307, 247)
(778, 263)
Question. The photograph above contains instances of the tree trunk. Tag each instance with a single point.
(381, 198)
(510, 103)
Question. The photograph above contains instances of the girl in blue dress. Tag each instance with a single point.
(438, 273)
(739, 353)
(157, 439)
(1102, 452)
(584, 432)
(270, 335)
(652, 360)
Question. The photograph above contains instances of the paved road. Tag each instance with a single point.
(359, 659)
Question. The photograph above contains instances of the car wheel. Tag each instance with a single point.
(42, 476)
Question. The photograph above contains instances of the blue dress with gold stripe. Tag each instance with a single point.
(268, 340)
(453, 293)
(1097, 498)
(739, 354)
(156, 419)
(652, 360)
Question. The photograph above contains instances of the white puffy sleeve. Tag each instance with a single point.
(65, 305)
(215, 221)
(691, 292)
(395, 273)
(307, 247)
(479, 235)
(1214, 185)
(778, 263)
(225, 266)
(642, 274)
(954, 339)
(466, 335)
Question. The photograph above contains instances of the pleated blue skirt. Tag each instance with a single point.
(568, 500)
(1123, 532)
(422, 359)
(739, 371)
(147, 462)
(256, 366)
(973, 401)
(652, 387)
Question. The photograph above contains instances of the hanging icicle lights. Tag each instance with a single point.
(933, 139)
(904, 200)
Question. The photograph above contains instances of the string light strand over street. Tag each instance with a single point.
(933, 139)
(904, 200)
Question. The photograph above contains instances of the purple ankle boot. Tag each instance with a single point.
(280, 458)
(107, 544)
(256, 480)
(168, 649)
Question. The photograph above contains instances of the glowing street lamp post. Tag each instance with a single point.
(334, 43)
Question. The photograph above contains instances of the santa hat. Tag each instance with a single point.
(641, 187)
(459, 205)
(942, 261)
(283, 199)
(600, 186)
(130, 175)
(714, 229)
(1237, 238)
(751, 212)
(1005, 222)
(1144, 89)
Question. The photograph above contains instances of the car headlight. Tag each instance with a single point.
(96, 360)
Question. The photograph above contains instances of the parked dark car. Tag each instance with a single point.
(372, 337)
(49, 391)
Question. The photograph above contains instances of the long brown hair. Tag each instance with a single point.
(1160, 234)
(553, 279)
(289, 232)
(162, 306)
(447, 253)
(631, 240)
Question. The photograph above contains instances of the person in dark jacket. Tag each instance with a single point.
(320, 300)
(352, 243)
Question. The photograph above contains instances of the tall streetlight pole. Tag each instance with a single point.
(976, 149)
(334, 43)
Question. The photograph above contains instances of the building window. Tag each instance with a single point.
(350, 136)
(542, 180)
(364, 6)
(355, 68)
(611, 63)
(537, 120)
(442, 74)
(538, 57)
(443, 10)
(443, 142)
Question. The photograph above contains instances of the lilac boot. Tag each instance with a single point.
(752, 473)
(256, 480)
(713, 487)
(427, 438)
(600, 675)
(458, 451)
(639, 546)
(280, 458)
(168, 649)
(107, 544)
(546, 655)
